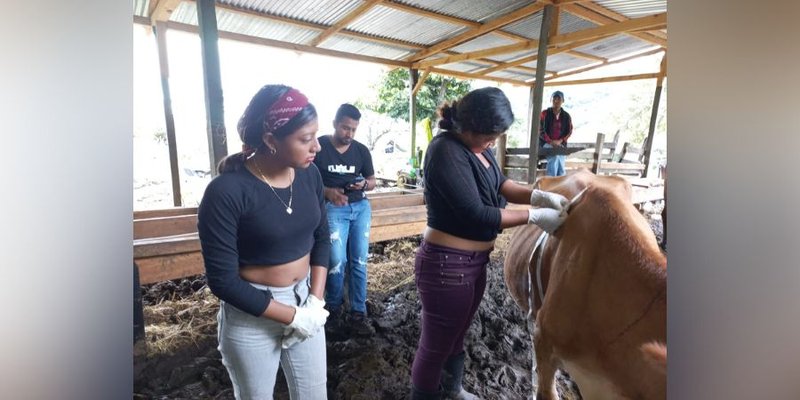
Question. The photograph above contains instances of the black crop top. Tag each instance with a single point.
(462, 196)
(241, 222)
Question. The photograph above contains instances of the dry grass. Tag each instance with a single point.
(174, 324)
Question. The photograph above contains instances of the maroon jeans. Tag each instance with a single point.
(450, 283)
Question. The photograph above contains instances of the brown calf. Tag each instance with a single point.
(604, 282)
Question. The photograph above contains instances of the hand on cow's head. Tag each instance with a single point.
(540, 198)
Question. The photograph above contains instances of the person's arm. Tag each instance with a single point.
(569, 129)
(335, 195)
(217, 226)
(368, 171)
(542, 128)
(321, 251)
(515, 193)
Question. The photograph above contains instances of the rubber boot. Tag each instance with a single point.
(417, 394)
(452, 375)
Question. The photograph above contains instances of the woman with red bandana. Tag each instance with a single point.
(265, 243)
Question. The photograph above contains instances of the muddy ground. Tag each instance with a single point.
(182, 362)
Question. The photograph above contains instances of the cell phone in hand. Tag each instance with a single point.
(355, 181)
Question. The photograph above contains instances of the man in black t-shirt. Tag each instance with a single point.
(347, 172)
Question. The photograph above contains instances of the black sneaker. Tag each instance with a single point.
(359, 325)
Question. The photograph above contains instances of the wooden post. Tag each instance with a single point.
(537, 92)
(598, 153)
(207, 22)
(139, 345)
(412, 110)
(501, 152)
(648, 143)
(160, 30)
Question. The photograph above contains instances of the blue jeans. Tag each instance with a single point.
(349, 226)
(555, 164)
(251, 351)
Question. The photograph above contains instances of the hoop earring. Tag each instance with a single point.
(272, 151)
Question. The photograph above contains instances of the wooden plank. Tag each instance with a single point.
(166, 226)
(162, 246)
(391, 232)
(163, 61)
(598, 151)
(403, 200)
(165, 212)
(470, 75)
(163, 10)
(605, 166)
(157, 269)
(399, 215)
(212, 83)
(602, 80)
(421, 81)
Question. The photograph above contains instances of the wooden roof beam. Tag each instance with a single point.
(612, 14)
(590, 34)
(527, 59)
(346, 20)
(162, 10)
(609, 29)
(481, 30)
(529, 45)
(291, 46)
(603, 80)
(420, 81)
(472, 24)
(601, 19)
(578, 71)
(469, 75)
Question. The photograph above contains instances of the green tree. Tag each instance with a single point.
(394, 90)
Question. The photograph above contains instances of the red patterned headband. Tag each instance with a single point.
(285, 109)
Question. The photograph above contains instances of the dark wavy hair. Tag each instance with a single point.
(252, 125)
(484, 111)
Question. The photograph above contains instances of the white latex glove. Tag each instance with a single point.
(314, 302)
(540, 198)
(307, 321)
(546, 218)
(312, 318)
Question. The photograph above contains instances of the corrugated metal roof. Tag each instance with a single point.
(363, 47)
(473, 10)
(247, 25)
(513, 74)
(528, 27)
(634, 8)
(615, 46)
(392, 23)
(405, 26)
(531, 27)
(140, 7)
(325, 12)
(467, 66)
(562, 61)
(482, 43)
(513, 56)
(572, 23)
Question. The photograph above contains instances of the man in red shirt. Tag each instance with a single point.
(555, 127)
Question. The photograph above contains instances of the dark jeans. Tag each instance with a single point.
(450, 284)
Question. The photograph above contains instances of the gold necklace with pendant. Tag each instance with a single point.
(291, 185)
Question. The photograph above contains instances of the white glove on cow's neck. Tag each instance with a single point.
(540, 198)
(308, 320)
(546, 218)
